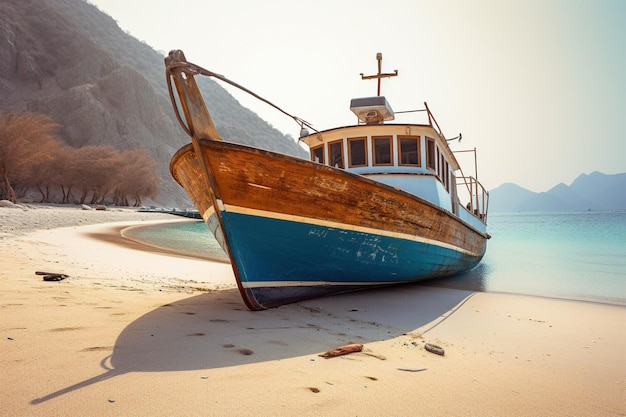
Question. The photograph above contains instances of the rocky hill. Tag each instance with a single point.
(595, 191)
(69, 60)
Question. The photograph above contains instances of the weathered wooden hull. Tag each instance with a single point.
(296, 229)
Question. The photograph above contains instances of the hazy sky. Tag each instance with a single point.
(539, 87)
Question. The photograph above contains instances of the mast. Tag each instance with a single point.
(380, 74)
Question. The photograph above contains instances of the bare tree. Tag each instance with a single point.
(31, 157)
(41, 174)
(91, 169)
(138, 178)
(26, 140)
(60, 175)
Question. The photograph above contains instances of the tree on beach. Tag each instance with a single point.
(40, 175)
(106, 173)
(25, 139)
(59, 175)
(137, 178)
(32, 159)
(93, 169)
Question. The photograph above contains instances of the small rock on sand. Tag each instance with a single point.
(7, 203)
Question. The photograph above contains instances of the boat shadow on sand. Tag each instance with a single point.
(215, 330)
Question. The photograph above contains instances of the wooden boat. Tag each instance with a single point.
(377, 204)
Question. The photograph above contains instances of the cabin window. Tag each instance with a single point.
(357, 152)
(447, 177)
(455, 200)
(441, 163)
(335, 150)
(317, 154)
(431, 157)
(382, 150)
(409, 150)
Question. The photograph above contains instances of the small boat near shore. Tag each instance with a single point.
(378, 203)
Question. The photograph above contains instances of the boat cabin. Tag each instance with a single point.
(415, 158)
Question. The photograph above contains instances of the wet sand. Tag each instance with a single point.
(140, 331)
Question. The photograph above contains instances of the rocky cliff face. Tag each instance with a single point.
(67, 59)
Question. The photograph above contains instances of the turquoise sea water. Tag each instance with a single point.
(193, 238)
(579, 256)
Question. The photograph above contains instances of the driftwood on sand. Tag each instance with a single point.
(343, 350)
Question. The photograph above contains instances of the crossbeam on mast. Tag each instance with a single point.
(380, 75)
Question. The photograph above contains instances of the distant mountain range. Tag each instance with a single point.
(595, 191)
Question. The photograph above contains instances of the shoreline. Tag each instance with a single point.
(143, 332)
(149, 246)
(435, 282)
(123, 240)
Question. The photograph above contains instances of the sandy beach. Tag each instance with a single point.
(138, 331)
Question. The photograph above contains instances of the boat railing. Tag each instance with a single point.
(478, 197)
(433, 122)
(429, 118)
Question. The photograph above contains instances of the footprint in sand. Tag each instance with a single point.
(65, 329)
(98, 349)
(245, 352)
(278, 342)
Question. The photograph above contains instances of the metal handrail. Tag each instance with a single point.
(431, 119)
(478, 203)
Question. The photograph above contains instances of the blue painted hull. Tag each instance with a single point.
(296, 229)
(281, 261)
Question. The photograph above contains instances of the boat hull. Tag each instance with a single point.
(295, 229)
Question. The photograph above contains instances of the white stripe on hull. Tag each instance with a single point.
(265, 284)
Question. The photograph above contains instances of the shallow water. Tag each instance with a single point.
(192, 237)
(579, 256)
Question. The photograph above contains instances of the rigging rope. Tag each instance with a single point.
(193, 69)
